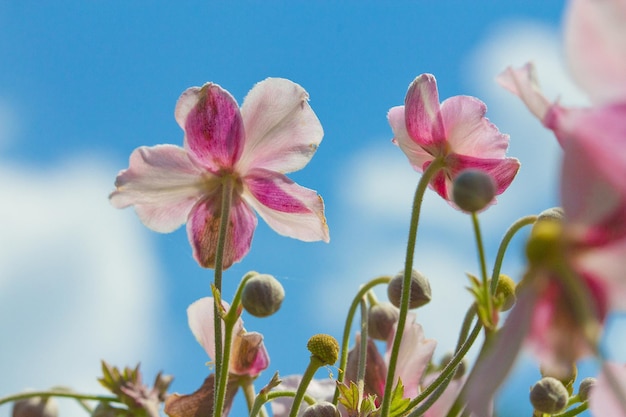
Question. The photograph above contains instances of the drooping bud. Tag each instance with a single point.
(551, 214)
(381, 319)
(262, 295)
(420, 290)
(505, 292)
(322, 409)
(35, 407)
(324, 347)
(461, 368)
(549, 396)
(585, 387)
(544, 244)
(473, 190)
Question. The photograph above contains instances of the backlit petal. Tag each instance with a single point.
(213, 126)
(603, 400)
(469, 132)
(502, 171)
(595, 46)
(423, 117)
(282, 131)
(415, 153)
(249, 356)
(523, 83)
(375, 368)
(200, 403)
(162, 183)
(289, 209)
(203, 230)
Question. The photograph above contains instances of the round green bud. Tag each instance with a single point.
(324, 347)
(381, 319)
(35, 407)
(322, 409)
(473, 190)
(585, 387)
(549, 396)
(461, 368)
(544, 244)
(505, 291)
(262, 295)
(420, 289)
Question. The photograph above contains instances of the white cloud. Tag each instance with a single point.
(78, 281)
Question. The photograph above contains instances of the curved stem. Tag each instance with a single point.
(60, 394)
(314, 365)
(432, 169)
(221, 365)
(346, 330)
(247, 386)
(574, 411)
(261, 399)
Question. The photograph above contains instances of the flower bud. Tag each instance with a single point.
(549, 396)
(473, 190)
(551, 214)
(35, 407)
(262, 295)
(322, 409)
(505, 291)
(324, 347)
(420, 290)
(585, 387)
(544, 244)
(381, 319)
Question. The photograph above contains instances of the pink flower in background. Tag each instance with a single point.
(603, 400)
(250, 149)
(457, 131)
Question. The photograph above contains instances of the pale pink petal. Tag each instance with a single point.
(203, 230)
(282, 131)
(523, 83)
(414, 355)
(416, 154)
(213, 126)
(289, 209)
(469, 132)
(423, 117)
(200, 318)
(248, 355)
(606, 263)
(444, 403)
(319, 389)
(603, 400)
(162, 183)
(595, 46)
(492, 368)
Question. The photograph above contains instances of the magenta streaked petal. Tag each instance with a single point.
(603, 400)
(423, 117)
(595, 45)
(523, 83)
(213, 126)
(502, 170)
(415, 153)
(288, 208)
(248, 356)
(162, 183)
(282, 131)
(469, 132)
(414, 355)
(375, 368)
(200, 316)
(203, 230)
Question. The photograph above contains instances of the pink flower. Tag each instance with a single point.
(247, 150)
(455, 131)
(603, 400)
(248, 358)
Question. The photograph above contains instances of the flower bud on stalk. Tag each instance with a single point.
(420, 290)
(35, 407)
(505, 291)
(585, 387)
(473, 190)
(262, 295)
(322, 409)
(381, 319)
(549, 396)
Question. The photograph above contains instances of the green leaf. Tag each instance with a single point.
(349, 397)
(398, 403)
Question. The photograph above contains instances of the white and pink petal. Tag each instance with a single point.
(417, 156)
(282, 131)
(162, 183)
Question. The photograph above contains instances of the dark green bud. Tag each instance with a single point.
(549, 396)
(420, 290)
(473, 190)
(262, 295)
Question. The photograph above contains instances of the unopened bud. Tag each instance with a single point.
(324, 347)
(262, 295)
(35, 407)
(381, 319)
(322, 409)
(473, 190)
(461, 368)
(505, 292)
(549, 396)
(544, 244)
(551, 214)
(585, 387)
(420, 290)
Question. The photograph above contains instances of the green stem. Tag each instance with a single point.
(483, 264)
(60, 394)
(360, 376)
(247, 386)
(314, 365)
(229, 321)
(432, 169)
(345, 341)
(261, 399)
(574, 411)
(221, 365)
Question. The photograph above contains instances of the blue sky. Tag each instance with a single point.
(83, 83)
